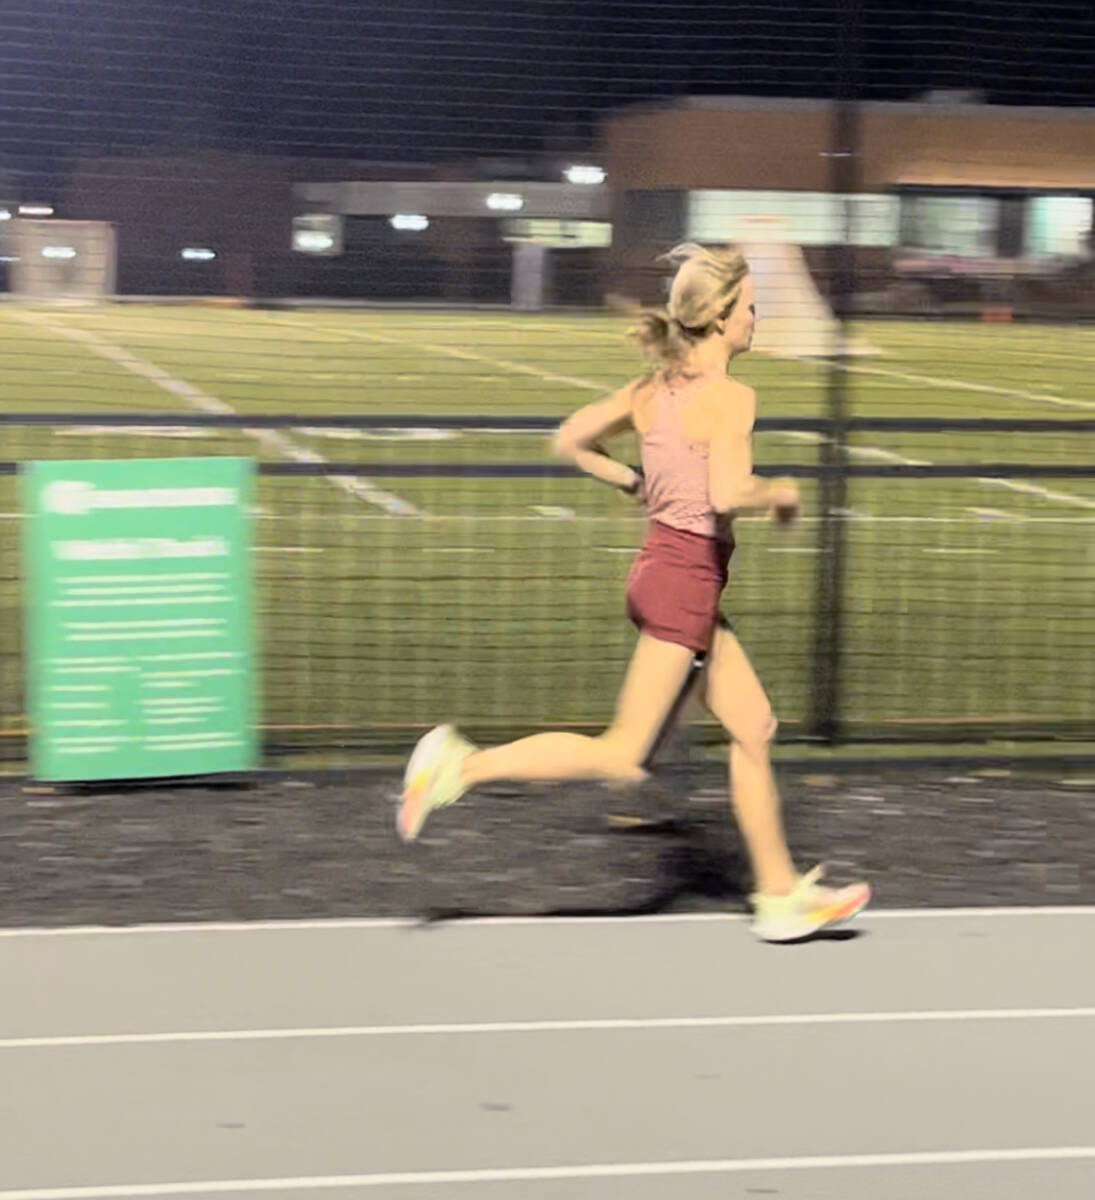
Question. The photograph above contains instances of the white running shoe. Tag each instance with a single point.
(432, 778)
(808, 909)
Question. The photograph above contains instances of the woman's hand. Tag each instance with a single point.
(785, 504)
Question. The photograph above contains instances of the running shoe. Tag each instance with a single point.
(432, 778)
(808, 909)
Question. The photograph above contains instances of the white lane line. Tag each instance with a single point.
(416, 924)
(202, 401)
(608, 1025)
(618, 1170)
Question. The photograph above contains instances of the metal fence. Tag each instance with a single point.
(911, 604)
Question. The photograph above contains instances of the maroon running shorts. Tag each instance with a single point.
(674, 585)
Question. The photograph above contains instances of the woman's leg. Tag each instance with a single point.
(654, 679)
(736, 698)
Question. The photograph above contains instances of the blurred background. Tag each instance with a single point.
(384, 249)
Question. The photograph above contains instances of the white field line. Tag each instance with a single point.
(937, 381)
(515, 368)
(876, 452)
(354, 485)
(493, 1028)
(1013, 485)
(617, 1170)
(967, 385)
(982, 516)
(202, 401)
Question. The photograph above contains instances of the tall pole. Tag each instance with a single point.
(827, 715)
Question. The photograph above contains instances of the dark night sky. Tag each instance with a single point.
(425, 79)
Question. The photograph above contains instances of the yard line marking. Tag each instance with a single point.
(905, 376)
(877, 452)
(455, 352)
(966, 385)
(493, 1028)
(617, 1170)
(1001, 514)
(362, 489)
(1030, 489)
(1034, 489)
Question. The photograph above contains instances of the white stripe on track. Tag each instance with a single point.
(415, 924)
(618, 1170)
(490, 1028)
(202, 401)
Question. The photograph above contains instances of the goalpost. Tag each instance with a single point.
(61, 260)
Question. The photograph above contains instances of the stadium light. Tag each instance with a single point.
(311, 241)
(198, 254)
(36, 210)
(410, 222)
(587, 175)
(58, 252)
(505, 202)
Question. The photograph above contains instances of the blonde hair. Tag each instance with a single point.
(705, 289)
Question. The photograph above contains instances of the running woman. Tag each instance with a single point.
(694, 424)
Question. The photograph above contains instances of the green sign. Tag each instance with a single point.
(138, 606)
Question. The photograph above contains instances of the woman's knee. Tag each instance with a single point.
(754, 733)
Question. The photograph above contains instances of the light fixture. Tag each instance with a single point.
(311, 241)
(410, 222)
(505, 202)
(5, 214)
(36, 210)
(198, 254)
(58, 252)
(585, 174)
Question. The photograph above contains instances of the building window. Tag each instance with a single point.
(1059, 226)
(798, 218)
(964, 226)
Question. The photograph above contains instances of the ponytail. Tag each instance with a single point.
(661, 339)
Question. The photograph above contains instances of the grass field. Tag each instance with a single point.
(498, 602)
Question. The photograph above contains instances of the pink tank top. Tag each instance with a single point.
(675, 469)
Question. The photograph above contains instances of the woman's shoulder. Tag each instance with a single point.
(730, 400)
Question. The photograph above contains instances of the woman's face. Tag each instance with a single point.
(738, 330)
